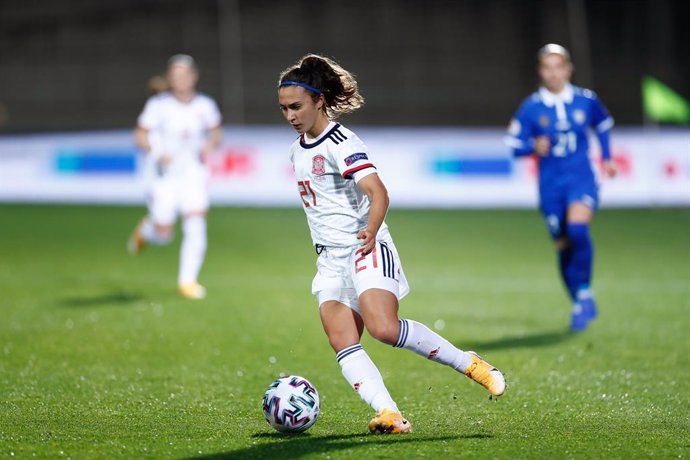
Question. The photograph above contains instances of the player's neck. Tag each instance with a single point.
(184, 96)
(318, 128)
(557, 90)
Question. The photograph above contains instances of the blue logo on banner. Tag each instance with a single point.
(96, 161)
(468, 164)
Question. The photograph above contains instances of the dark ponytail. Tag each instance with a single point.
(337, 85)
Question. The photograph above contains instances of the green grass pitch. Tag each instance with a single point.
(99, 358)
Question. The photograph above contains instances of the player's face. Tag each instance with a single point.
(555, 71)
(182, 78)
(300, 109)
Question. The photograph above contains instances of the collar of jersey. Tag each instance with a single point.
(332, 126)
(550, 98)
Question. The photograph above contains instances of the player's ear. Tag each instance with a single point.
(320, 102)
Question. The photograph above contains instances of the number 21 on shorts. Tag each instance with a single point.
(307, 194)
(359, 261)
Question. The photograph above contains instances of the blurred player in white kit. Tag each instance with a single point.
(177, 129)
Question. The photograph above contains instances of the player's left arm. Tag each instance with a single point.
(378, 198)
(602, 123)
(215, 136)
(214, 121)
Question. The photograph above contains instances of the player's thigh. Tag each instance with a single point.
(583, 200)
(554, 210)
(342, 324)
(162, 203)
(379, 309)
(380, 283)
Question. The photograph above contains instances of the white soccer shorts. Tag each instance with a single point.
(343, 274)
(169, 196)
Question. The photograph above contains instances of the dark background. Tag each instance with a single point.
(84, 64)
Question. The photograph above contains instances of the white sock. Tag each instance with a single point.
(148, 231)
(417, 337)
(360, 371)
(193, 248)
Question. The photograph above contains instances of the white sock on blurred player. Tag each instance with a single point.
(150, 234)
(360, 371)
(417, 337)
(193, 249)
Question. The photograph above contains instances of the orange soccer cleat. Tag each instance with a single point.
(388, 421)
(486, 375)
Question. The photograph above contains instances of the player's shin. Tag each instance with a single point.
(365, 378)
(583, 254)
(417, 337)
(151, 235)
(193, 249)
(565, 264)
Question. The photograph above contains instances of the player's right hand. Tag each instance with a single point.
(368, 240)
(165, 159)
(542, 145)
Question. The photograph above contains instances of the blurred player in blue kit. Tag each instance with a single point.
(554, 122)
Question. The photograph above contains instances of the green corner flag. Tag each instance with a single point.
(662, 104)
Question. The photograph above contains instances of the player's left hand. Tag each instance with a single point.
(368, 240)
(610, 168)
(206, 153)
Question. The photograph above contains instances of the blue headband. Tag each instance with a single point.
(303, 85)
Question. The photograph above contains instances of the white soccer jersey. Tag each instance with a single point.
(179, 129)
(327, 169)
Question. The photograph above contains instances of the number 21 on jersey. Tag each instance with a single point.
(307, 194)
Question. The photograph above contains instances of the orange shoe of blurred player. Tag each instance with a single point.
(192, 290)
(136, 242)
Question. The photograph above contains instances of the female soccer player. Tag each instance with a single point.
(554, 123)
(359, 278)
(176, 130)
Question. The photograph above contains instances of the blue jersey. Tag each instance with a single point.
(565, 119)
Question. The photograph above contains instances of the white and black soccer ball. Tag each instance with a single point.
(291, 404)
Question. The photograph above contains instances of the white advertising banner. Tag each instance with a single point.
(422, 167)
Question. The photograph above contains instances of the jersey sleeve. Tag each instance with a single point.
(212, 116)
(353, 159)
(602, 123)
(150, 116)
(520, 132)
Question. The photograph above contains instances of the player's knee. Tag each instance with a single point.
(384, 331)
(340, 341)
(578, 234)
(164, 234)
(561, 243)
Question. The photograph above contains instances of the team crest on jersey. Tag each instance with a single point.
(543, 121)
(318, 165)
(579, 116)
(355, 157)
(563, 125)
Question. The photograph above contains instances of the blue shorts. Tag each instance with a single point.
(556, 198)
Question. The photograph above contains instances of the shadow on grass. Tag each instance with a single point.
(300, 445)
(543, 339)
(110, 298)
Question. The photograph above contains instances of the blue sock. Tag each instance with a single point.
(582, 255)
(565, 263)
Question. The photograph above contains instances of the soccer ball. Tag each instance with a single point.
(291, 404)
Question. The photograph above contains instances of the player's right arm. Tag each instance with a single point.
(141, 139)
(520, 137)
(149, 119)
